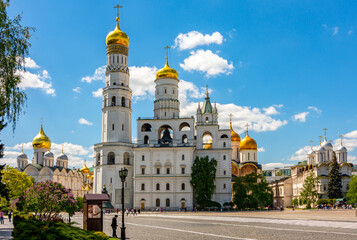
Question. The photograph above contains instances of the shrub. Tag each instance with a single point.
(332, 201)
(322, 201)
(34, 229)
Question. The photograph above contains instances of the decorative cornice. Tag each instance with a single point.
(117, 49)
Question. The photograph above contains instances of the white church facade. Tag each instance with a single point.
(160, 162)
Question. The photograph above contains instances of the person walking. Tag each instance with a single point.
(114, 226)
(1, 217)
(10, 214)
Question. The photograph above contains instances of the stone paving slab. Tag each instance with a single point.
(6, 229)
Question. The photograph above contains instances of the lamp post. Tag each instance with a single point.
(69, 215)
(123, 173)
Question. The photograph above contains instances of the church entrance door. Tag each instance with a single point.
(143, 206)
(183, 205)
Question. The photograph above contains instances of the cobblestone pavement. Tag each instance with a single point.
(247, 225)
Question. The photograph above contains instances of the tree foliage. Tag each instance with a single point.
(14, 47)
(251, 192)
(309, 191)
(48, 199)
(203, 177)
(16, 182)
(334, 189)
(4, 192)
(352, 191)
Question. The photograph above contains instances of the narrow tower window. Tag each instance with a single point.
(122, 127)
(113, 126)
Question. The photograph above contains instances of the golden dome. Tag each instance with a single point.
(208, 144)
(247, 143)
(84, 169)
(117, 36)
(41, 140)
(234, 136)
(167, 72)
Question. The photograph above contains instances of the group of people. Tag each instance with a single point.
(9, 214)
(132, 211)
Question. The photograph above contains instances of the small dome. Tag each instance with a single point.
(41, 140)
(248, 143)
(22, 156)
(48, 154)
(84, 169)
(342, 149)
(167, 72)
(62, 156)
(117, 36)
(234, 136)
(320, 149)
(327, 144)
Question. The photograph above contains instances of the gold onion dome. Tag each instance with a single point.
(117, 36)
(167, 72)
(84, 169)
(247, 143)
(234, 136)
(41, 140)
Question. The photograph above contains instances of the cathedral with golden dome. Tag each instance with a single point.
(159, 162)
(44, 167)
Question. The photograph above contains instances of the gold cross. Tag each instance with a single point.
(230, 117)
(167, 51)
(41, 120)
(62, 147)
(311, 143)
(325, 129)
(207, 93)
(22, 148)
(117, 7)
(320, 139)
(247, 125)
(341, 136)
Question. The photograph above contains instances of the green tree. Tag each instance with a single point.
(334, 189)
(16, 182)
(79, 203)
(352, 191)
(252, 191)
(14, 47)
(4, 192)
(203, 176)
(309, 191)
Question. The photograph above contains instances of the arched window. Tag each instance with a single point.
(157, 202)
(224, 172)
(143, 171)
(224, 186)
(167, 186)
(111, 158)
(113, 101)
(157, 170)
(142, 187)
(185, 126)
(122, 127)
(254, 156)
(126, 159)
(224, 136)
(158, 186)
(146, 139)
(207, 140)
(114, 83)
(184, 138)
(224, 157)
(118, 59)
(165, 90)
(122, 59)
(167, 202)
(183, 157)
(113, 126)
(142, 157)
(183, 186)
(224, 144)
(206, 119)
(248, 156)
(123, 101)
(167, 170)
(98, 159)
(146, 127)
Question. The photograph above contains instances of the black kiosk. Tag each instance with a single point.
(93, 211)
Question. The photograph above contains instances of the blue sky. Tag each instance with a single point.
(286, 67)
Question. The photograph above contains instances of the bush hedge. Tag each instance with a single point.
(33, 229)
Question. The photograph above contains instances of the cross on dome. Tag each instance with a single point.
(311, 143)
(117, 7)
(325, 129)
(341, 136)
(167, 52)
(320, 139)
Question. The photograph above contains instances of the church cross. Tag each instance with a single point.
(341, 136)
(41, 120)
(311, 143)
(167, 51)
(247, 125)
(320, 139)
(117, 7)
(230, 117)
(325, 129)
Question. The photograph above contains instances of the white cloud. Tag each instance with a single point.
(271, 166)
(315, 109)
(99, 75)
(261, 149)
(142, 81)
(350, 32)
(84, 122)
(193, 39)
(39, 80)
(11, 154)
(98, 93)
(352, 134)
(300, 155)
(333, 30)
(77, 89)
(301, 117)
(30, 63)
(207, 62)
(270, 110)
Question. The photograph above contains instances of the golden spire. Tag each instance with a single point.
(341, 136)
(117, 19)
(311, 144)
(320, 140)
(325, 129)
(167, 55)
(230, 120)
(207, 93)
